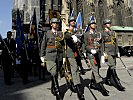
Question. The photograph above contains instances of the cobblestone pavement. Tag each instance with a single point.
(40, 90)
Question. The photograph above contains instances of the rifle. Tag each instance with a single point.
(125, 66)
(9, 52)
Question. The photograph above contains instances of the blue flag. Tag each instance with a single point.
(79, 21)
(19, 33)
(87, 27)
(92, 18)
(72, 14)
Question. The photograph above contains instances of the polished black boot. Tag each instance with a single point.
(108, 77)
(80, 93)
(117, 81)
(55, 88)
(102, 89)
(93, 85)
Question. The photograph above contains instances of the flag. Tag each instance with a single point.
(87, 27)
(19, 34)
(92, 18)
(64, 27)
(33, 35)
(33, 27)
(72, 14)
(79, 21)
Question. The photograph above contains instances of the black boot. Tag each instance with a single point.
(55, 88)
(108, 77)
(102, 89)
(52, 87)
(79, 92)
(117, 81)
(71, 86)
(93, 85)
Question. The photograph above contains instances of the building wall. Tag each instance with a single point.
(119, 11)
(27, 6)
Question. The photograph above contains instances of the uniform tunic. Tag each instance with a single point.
(92, 41)
(110, 47)
(52, 51)
(71, 50)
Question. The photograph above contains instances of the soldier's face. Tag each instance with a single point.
(93, 26)
(54, 25)
(72, 23)
(108, 25)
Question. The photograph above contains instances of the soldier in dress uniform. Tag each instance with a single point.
(110, 52)
(78, 33)
(92, 47)
(8, 54)
(52, 54)
(71, 39)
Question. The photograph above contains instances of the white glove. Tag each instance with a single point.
(85, 55)
(43, 59)
(63, 60)
(118, 55)
(75, 39)
(93, 51)
(102, 59)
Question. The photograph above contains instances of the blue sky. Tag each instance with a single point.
(5, 17)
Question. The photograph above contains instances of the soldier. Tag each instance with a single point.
(72, 54)
(78, 33)
(25, 64)
(52, 54)
(8, 54)
(92, 47)
(111, 51)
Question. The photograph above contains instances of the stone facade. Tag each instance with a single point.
(27, 7)
(119, 11)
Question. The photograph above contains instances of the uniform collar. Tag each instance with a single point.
(92, 32)
(54, 31)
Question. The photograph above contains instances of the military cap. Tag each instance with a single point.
(91, 22)
(71, 18)
(54, 20)
(9, 32)
(106, 21)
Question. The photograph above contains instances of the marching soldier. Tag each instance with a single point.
(78, 33)
(52, 54)
(8, 54)
(72, 54)
(111, 51)
(92, 47)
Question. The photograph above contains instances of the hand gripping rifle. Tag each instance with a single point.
(125, 66)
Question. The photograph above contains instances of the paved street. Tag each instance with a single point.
(40, 90)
